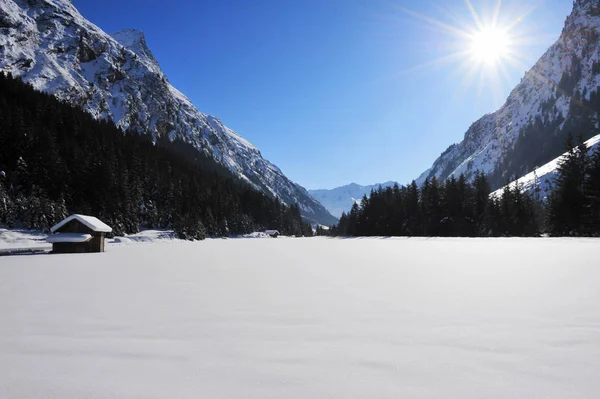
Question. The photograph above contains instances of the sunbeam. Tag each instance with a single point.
(484, 46)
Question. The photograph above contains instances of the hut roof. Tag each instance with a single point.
(68, 237)
(93, 223)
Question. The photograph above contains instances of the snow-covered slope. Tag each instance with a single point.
(541, 180)
(559, 95)
(341, 199)
(50, 45)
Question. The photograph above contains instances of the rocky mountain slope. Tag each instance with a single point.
(558, 96)
(55, 49)
(342, 198)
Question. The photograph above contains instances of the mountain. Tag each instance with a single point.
(342, 198)
(50, 45)
(541, 180)
(558, 96)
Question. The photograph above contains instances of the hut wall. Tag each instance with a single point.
(71, 247)
(97, 242)
(75, 226)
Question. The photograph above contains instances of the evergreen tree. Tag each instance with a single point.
(413, 225)
(352, 229)
(431, 207)
(592, 195)
(481, 198)
(567, 203)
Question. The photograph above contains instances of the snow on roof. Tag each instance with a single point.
(271, 232)
(68, 237)
(93, 223)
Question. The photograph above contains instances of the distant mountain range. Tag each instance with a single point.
(51, 46)
(558, 96)
(342, 198)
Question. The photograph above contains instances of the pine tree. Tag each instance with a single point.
(481, 198)
(431, 207)
(451, 205)
(352, 229)
(567, 203)
(492, 221)
(413, 223)
(465, 223)
(592, 195)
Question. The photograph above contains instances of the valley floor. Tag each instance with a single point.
(304, 318)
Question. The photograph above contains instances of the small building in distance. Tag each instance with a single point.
(78, 234)
(272, 233)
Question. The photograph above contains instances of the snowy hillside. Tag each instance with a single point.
(559, 95)
(542, 179)
(365, 318)
(51, 46)
(342, 198)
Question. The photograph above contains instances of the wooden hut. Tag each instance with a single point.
(78, 234)
(272, 233)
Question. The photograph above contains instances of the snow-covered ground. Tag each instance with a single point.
(17, 238)
(304, 318)
(22, 239)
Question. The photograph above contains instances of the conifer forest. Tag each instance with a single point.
(458, 208)
(56, 159)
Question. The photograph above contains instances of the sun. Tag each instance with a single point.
(490, 45)
(484, 44)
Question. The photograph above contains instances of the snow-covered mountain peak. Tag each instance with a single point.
(588, 7)
(585, 15)
(55, 49)
(341, 199)
(131, 38)
(134, 40)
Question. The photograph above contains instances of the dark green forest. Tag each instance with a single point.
(56, 159)
(458, 208)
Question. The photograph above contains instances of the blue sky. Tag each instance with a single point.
(338, 91)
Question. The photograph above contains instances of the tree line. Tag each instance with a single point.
(459, 208)
(56, 159)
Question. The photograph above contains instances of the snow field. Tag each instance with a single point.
(304, 318)
(17, 238)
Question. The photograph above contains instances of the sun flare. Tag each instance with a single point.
(485, 42)
(490, 46)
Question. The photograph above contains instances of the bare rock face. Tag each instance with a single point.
(55, 49)
(558, 96)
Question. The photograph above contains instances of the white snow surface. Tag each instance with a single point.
(68, 237)
(90, 221)
(147, 236)
(542, 179)
(19, 238)
(23, 239)
(304, 318)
